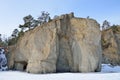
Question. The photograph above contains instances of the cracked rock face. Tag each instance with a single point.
(3, 60)
(66, 44)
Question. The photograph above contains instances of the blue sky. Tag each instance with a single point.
(12, 11)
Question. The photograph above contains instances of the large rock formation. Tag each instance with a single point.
(62, 45)
(111, 45)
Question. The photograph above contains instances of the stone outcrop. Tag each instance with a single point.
(66, 44)
(111, 45)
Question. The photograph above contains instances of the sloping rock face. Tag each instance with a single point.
(66, 44)
(111, 45)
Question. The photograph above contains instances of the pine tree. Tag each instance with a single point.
(28, 20)
(44, 17)
(105, 25)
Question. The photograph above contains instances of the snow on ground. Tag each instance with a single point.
(110, 69)
(108, 72)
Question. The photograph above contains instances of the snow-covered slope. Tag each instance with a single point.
(107, 68)
(108, 73)
(3, 60)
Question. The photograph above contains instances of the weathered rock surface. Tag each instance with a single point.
(62, 45)
(111, 46)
